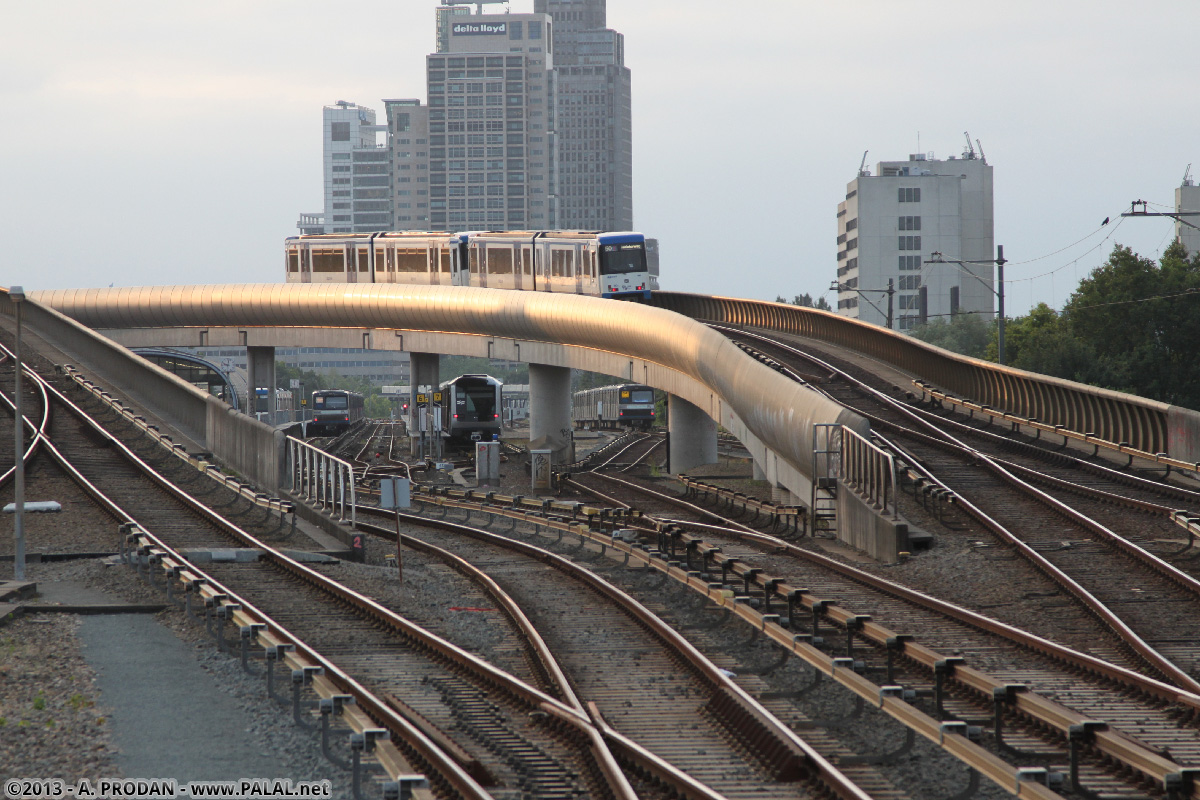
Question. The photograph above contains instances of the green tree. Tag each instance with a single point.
(806, 301)
(377, 407)
(1142, 321)
(965, 334)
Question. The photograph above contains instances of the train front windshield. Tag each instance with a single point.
(481, 401)
(622, 259)
(330, 403)
(641, 396)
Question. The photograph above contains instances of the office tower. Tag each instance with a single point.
(891, 222)
(595, 128)
(445, 16)
(1187, 198)
(491, 125)
(356, 172)
(408, 136)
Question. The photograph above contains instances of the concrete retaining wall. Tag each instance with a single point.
(243, 444)
(861, 526)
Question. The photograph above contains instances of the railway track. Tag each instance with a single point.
(1152, 717)
(352, 634)
(537, 741)
(642, 677)
(1147, 601)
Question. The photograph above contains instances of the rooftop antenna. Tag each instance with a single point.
(969, 153)
(1187, 176)
(863, 172)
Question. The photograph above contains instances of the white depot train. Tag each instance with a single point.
(575, 262)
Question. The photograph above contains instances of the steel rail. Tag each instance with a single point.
(38, 431)
(982, 622)
(751, 710)
(675, 501)
(245, 489)
(1115, 744)
(1013, 780)
(1149, 654)
(641, 438)
(642, 758)
(646, 455)
(172, 559)
(443, 649)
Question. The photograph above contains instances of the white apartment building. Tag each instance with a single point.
(356, 171)
(492, 161)
(1187, 198)
(892, 221)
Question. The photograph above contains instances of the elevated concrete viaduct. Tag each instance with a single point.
(706, 375)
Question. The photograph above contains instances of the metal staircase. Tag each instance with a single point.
(827, 454)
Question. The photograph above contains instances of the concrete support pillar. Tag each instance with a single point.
(759, 473)
(260, 371)
(550, 411)
(423, 370)
(693, 436)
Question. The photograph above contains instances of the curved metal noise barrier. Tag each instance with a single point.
(778, 411)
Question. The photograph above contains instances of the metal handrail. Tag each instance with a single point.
(322, 478)
(869, 470)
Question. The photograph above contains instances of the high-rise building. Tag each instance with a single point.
(408, 136)
(491, 125)
(512, 137)
(595, 118)
(1187, 198)
(891, 222)
(445, 16)
(357, 173)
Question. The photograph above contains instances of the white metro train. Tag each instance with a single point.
(574, 262)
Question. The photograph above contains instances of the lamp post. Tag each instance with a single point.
(16, 296)
(835, 286)
(999, 261)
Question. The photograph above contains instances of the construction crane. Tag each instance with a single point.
(1187, 176)
(982, 157)
(969, 153)
(862, 168)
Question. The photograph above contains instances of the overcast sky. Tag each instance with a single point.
(157, 143)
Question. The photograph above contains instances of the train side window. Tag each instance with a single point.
(558, 263)
(328, 260)
(410, 260)
(446, 260)
(475, 259)
(500, 260)
(526, 261)
(293, 261)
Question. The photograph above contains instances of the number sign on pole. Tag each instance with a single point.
(396, 493)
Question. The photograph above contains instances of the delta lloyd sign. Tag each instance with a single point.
(480, 28)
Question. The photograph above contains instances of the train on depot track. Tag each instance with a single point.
(471, 406)
(334, 411)
(626, 405)
(601, 264)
